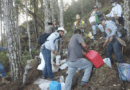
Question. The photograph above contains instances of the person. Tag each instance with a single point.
(46, 49)
(116, 12)
(94, 27)
(75, 60)
(50, 29)
(55, 24)
(113, 44)
(80, 24)
(2, 70)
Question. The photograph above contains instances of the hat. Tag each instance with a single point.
(113, 1)
(54, 20)
(50, 23)
(95, 7)
(62, 29)
(77, 16)
(101, 19)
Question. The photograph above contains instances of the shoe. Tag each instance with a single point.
(44, 77)
(84, 83)
(53, 79)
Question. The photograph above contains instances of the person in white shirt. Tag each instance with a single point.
(46, 49)
(116, 12)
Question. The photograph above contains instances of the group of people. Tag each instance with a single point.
(76, 45)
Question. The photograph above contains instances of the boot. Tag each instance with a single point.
(4, 81)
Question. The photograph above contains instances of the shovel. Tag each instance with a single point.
(122, 42)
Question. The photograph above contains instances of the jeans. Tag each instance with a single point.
(47, 57)
(73, 66)
(116, 47)
(2, 70)
(94, 27)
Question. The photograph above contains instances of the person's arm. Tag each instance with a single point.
(109, 15)
(84, 45)
(84, 26)
(105, 43)
(93, 13)
(113, 28)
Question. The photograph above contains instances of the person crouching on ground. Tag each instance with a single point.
(46, 49)
(113, 44)
(75, 60)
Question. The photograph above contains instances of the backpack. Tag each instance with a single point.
(121, 30)
(43, 38)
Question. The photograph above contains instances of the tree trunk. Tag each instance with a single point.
(12, 36)
(98, 3)
(46, 14)
(61, 25)
(82, 7)
(52, 10)
(35, 18)
(1, 23)
(57, 10)
(28, 29)
(127, 17)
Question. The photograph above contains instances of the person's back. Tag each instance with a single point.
(75, 48)
(50, 29)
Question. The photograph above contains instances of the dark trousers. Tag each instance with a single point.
(119, 20)
(116, 47)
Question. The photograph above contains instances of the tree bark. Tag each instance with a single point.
(127, 17)
(46, 14)
(28, 29)
(61, 25)
(12, 35)
(52, 10)
(1, 23)
(57, 10)
(98, 3)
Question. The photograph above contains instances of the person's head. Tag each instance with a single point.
(78, 31)
(95, 8)
(54, 22)
(102, 21)
(61, 31)
(78, 17)
(114, 3)
(50, 23)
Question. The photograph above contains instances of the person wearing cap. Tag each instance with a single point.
(79, 24)
(75, 60)
(113, 44)
(94, 27)
(46, 49)
(50, 28)
(116, 12)
(55, 24)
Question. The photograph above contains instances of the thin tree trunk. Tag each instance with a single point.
(35, 18)
(1, 24)
(127, 17)
(52, 9)
(57, 10)
(61, 25)
(46, 14)
(28, 29)
(18, 40)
